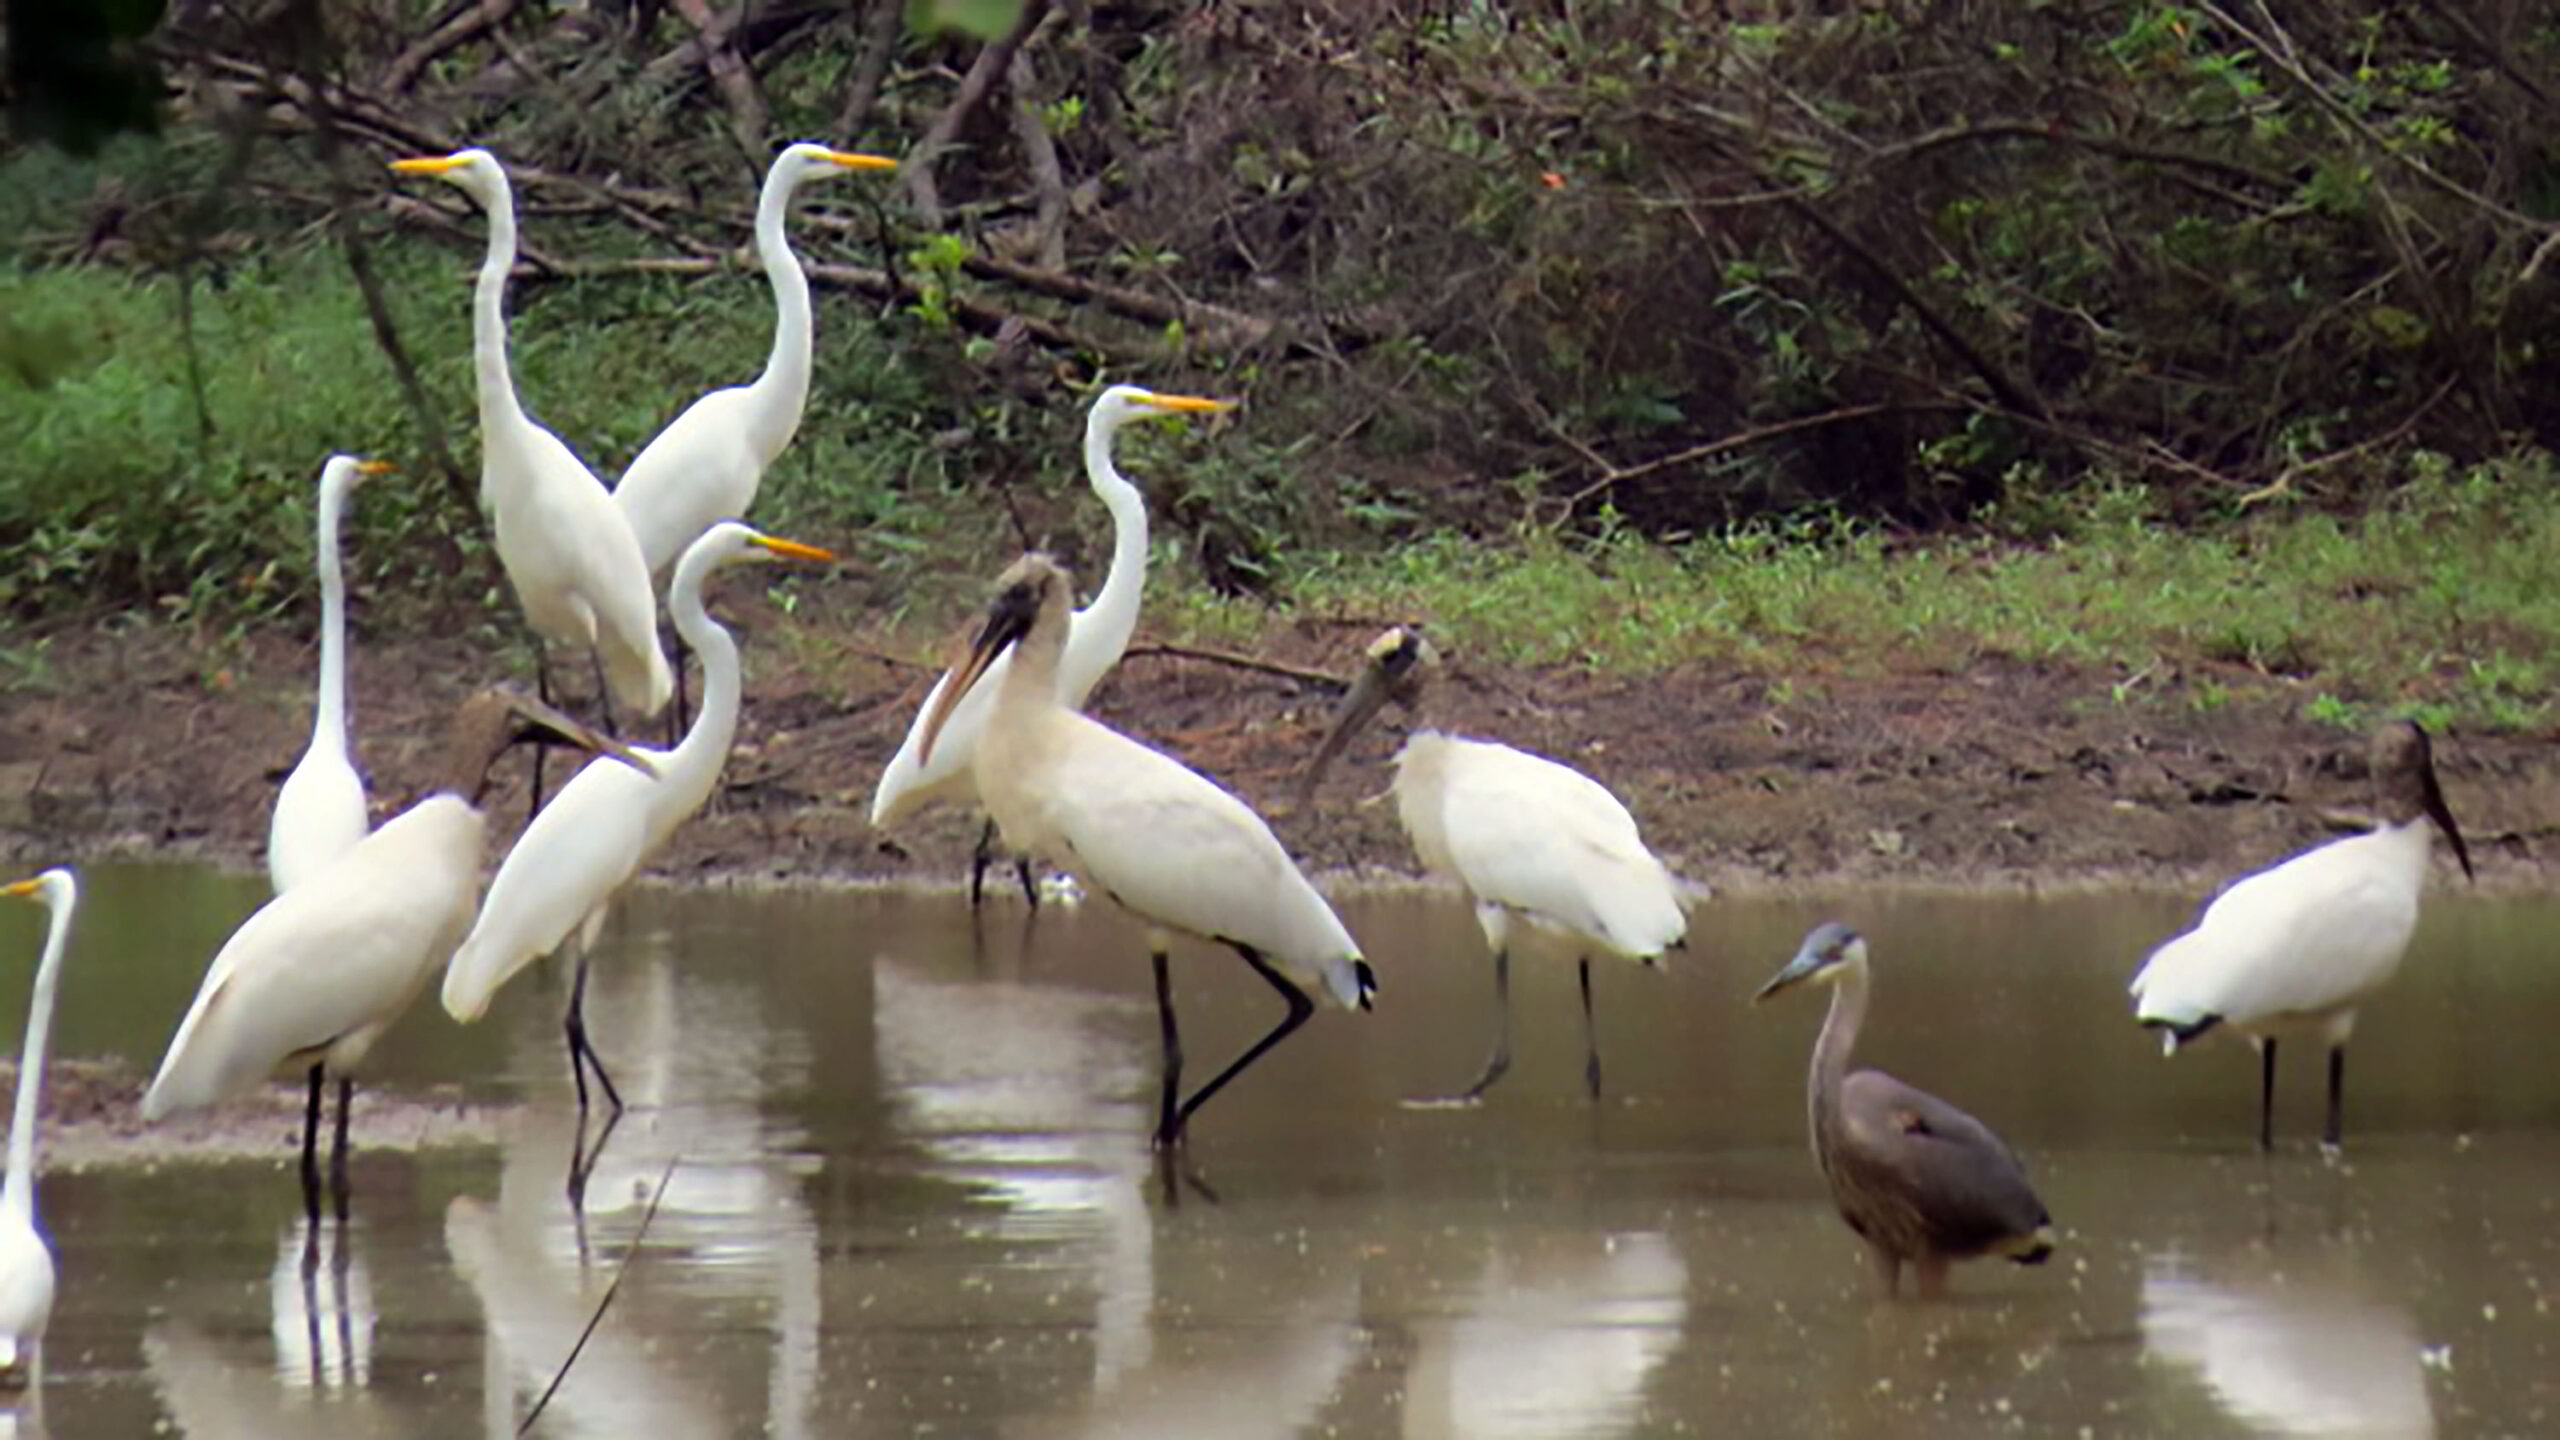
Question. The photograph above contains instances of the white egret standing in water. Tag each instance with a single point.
(26, 1261)
(320, 813)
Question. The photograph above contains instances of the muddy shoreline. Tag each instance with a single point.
(147, 742)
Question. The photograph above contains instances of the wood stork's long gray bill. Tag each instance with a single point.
(544, 725)
(2432, 797)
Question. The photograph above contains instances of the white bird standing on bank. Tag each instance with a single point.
(575, 565)
(1536, 844)
(26, 1261)
(2297, 948)
(320, 813)
(1164, 842)
(705, 466)
(1096, 637)
(320, 972)
(562, 875)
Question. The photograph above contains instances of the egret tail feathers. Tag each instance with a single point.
(2176, 1034)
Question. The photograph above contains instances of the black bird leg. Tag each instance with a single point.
(2267, 1094)
(338, 1148)
(1590, 1034)
(2335, 1133)
(1168, 1120)
(311, 1150)
(582, 1054)
(1498, 1063)
(1300, 1007)
(985, 856)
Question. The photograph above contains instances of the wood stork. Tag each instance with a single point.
(320, 972)
(1157, 837)
(1918, 1179)
(1537, 845)
(26, 1260)
(561, 877)
(706, 465)
(1096, 636)
(320, 813)
(575, 565)
(2298, 948)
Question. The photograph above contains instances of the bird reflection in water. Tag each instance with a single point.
(322, 1313)
(2289, 1349)
(1557, 1337)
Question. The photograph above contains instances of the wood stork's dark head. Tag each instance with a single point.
(1030, 589)
(1399, 663)
(1830, 952)
(2403, 764)
(493, 721)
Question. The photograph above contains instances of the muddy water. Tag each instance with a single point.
(906, 1190)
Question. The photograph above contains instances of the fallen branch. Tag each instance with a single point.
(1166, 650)
(1744, 440)
(458, 30)
(993, 58)
(612, 1288)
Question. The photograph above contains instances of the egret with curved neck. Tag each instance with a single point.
(320, 813)
(706, 465)
(1096, 637)
(571, 557)
(26, 1261)
(560, 879)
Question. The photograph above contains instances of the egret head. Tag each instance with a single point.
(806, 161)
(475, 171)
(1031, 587)
(343, 473)
(55, 889)
(1398, 662)
(1830, 952)
(1121, 404)
(497, 719)
(733, 543)
(2404, 783)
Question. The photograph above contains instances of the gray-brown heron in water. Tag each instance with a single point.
(1918, 1179)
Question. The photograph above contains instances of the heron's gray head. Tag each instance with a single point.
(1829, 952)
(1399, 659)
(2404, 782)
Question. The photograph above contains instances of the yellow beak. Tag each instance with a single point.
(375, 467)
(853, 160)
(1190, 404)
(22, 888)
(428, 165)
(794, 550)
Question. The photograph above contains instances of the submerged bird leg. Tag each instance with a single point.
(2267, 1094)
(1168, 1122)
(1590, 1034)
(311, 1150)
(1932, 1273)
(1300, 1007)
(582, 1054)
(1022, 872)
(1888, 1268)
(582, 1166)
(338, 1149)
(2333, 1134)
(1499, 1062)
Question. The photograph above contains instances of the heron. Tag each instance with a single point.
(577, 855)
(318, 974)
(1096, 636)
(1920, 1181)
(26, 1260)
(1162, 840)
(2297, 948)
(320, 813)
(570, 555)
(1543, 849)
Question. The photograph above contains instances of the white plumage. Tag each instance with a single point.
(595, 835)
(320, 813)
(568, 552)
(2299, 947)
(26, 1260)
(1157, 837)
(1096, 635)
(1534, 843)
(706, 465)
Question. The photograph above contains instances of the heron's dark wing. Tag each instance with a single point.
(1943, 1168)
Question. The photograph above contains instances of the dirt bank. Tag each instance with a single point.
(146, 740)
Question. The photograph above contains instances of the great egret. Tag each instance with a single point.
(588, 843)
(1918, 1179)
(705, 466)
(2297, 948)
(320, 812)
(26, 1261)
(321, 971)
(575, 565)
(1537, 844)
(1167, 844)
(1096, 636)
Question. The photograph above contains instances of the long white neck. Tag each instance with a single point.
(329, 720)
(1103, 628)
(489, 314)
(696, 761)
(782, 391)
(18, 1193)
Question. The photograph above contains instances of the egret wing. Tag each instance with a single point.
(583, 846)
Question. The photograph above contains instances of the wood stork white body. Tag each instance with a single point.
(1548, 855)
(1157, 837)
(706, 465)
(2298, 948)
(571, 557)
(26, 1261)
(319, 973)
(1096, 637)
(562, 875)
(320, 813)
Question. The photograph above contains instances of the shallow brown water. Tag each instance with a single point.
(908, 1191)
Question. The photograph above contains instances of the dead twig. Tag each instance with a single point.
(1758, 435)
(990, 63)
(1167, 650)
(612, 1288)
